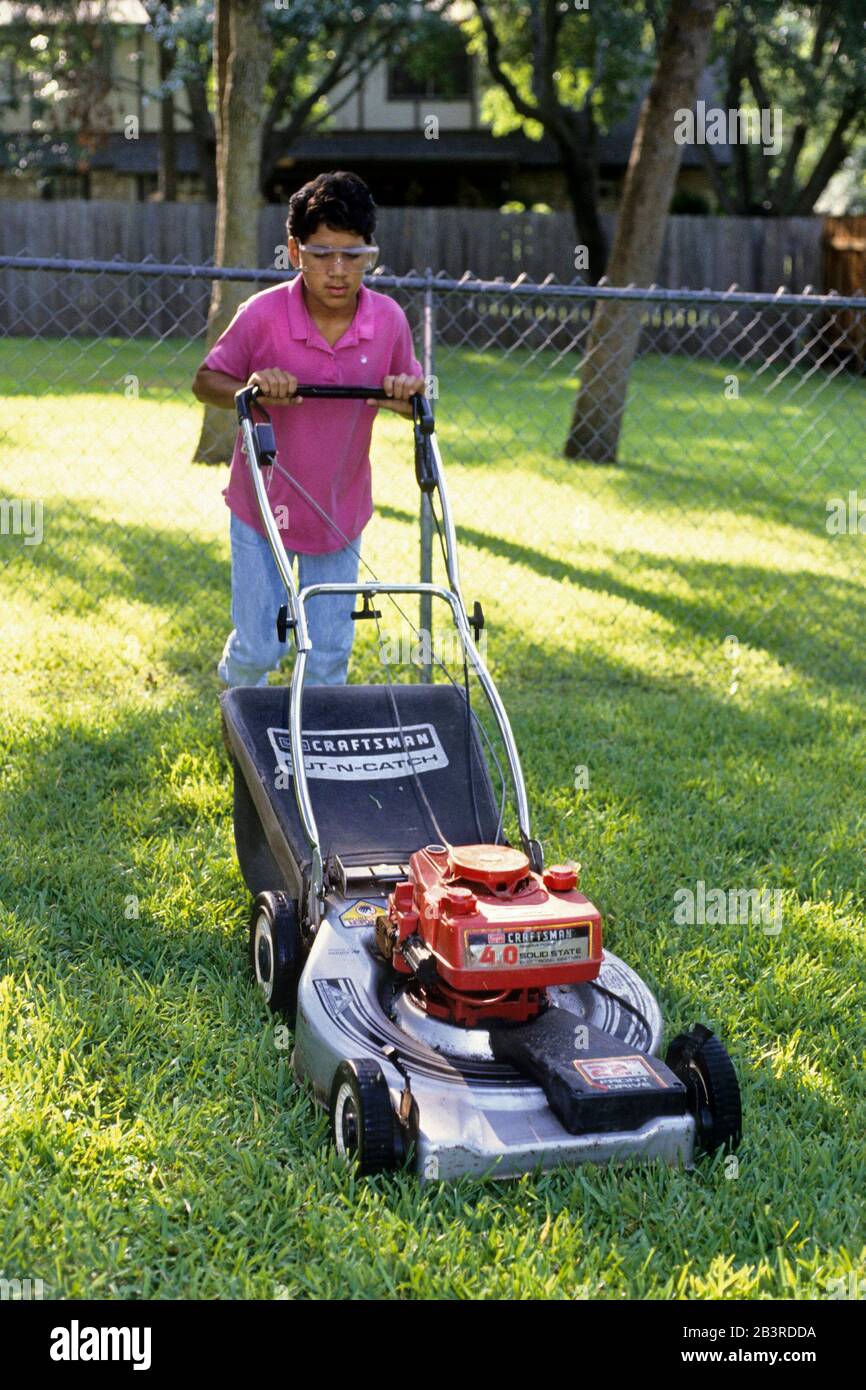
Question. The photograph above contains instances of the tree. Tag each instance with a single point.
(66, 62)
(167, 168)
(183, 34)
(806, 61)
(649, 184)
(319, 45)
(298, 54)
(566, 71)
(64, 66)
(193, 63)
(243, 49)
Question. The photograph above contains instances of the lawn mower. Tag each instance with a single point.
(453, 1004)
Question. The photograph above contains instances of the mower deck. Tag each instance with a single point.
(473, 1114)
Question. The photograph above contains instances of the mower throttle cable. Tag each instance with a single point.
(469, 710)
(479, 725)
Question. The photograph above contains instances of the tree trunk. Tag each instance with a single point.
(203, 133)
(167, 179)
(579, 169)
(836, 150)
(649, 185)
(242, 59)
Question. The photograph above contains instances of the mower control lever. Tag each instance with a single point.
(285, 625)
(423, 425)
(366, 610)
(422, 414)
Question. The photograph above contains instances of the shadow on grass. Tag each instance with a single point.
(88, 561)
(683, 443)
(809, 623)
(787, 501)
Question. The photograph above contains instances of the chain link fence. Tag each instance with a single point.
(725, 513)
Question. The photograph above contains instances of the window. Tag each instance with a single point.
(8, 93)
(434, 65)
(64, 185)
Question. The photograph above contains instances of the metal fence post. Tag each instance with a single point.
(425, 614)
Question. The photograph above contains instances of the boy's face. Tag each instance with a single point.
(330, 280)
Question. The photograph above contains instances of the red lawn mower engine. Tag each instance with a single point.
(482, 935)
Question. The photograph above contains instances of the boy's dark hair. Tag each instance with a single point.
(340, 200)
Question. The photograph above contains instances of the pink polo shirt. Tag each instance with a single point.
(324, 444)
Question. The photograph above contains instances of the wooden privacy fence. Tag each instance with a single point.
(758, 254)
(755, 253)
(845, 272)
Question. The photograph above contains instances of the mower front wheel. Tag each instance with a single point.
(276, 951)
(702, 1063)
(362, 1118)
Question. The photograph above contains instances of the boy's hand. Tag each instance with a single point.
(277, 387)
(400, 388)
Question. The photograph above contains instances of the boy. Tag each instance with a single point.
(323, 328)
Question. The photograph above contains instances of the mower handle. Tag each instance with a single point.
(333, 393)
(336, 393)
(422, 419)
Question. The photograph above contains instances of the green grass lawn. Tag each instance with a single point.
(153, 1141)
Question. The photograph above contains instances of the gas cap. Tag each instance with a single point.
(461, 901)
(561, 878)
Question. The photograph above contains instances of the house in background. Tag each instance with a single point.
(104, 162)
(382, 131)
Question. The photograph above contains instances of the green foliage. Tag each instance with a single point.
(603, 55)
(431, 52)
(62, 74)
(687, 201)
(808, 60)
(317, 43)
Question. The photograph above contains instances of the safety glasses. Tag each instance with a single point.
(328, 257)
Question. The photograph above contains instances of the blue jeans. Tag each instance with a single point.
(253, 647)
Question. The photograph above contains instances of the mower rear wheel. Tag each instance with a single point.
(702, 1063)
(362, 1118)
(276, 951)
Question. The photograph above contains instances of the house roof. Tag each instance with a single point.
(141, 156)
(336, 148)
(123, 156)
(462, 147)
(480, 146)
